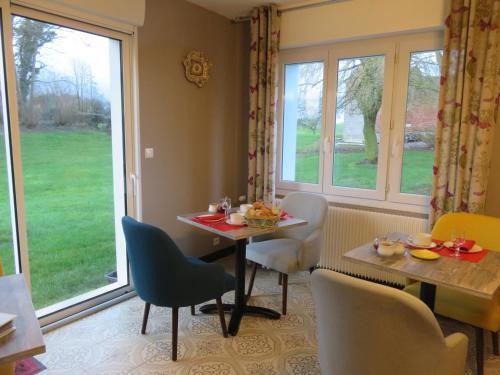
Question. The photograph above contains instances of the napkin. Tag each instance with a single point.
(284, 215)
(469, 244)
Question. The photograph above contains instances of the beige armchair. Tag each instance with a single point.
(294, 249)
(370, 329)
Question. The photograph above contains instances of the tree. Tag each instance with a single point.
(363, 83)
(29, 36)
(310, 93)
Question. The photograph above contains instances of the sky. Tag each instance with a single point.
(72, 45)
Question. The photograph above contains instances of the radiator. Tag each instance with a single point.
(348, 228)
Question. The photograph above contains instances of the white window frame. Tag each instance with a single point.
(129, 141)
(346, 51)
(396, 66)
(427, 42)
(288, 58)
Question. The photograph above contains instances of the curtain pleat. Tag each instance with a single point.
(264, 47)
(468, 107)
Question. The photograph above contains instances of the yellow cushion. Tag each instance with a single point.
(479, 312)
(480, 228)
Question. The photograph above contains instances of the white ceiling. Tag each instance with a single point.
(239, 8)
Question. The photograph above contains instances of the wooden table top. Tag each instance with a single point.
(27, 339)
(481, 279)
(242, 232)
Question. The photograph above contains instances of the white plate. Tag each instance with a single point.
(431, 246)
(475, 249)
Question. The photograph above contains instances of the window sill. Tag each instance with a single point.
(401, 208)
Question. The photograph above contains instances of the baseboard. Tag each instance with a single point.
(219, 254)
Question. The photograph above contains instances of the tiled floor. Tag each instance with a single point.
(110, 342)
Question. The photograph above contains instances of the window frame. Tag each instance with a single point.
(397, 51)
(407, 46)
(346, 51)
(130, 198)
(289, 58)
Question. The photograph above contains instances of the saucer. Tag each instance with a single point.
(228, 221)
(431, 246)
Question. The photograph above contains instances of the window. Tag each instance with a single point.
(360, 88)
(66, 150)
(357, 120)
(302, 122)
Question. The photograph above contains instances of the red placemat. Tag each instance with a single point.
(208, 220)
(469, 257)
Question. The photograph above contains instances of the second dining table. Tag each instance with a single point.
(479, 278)
(240, 234)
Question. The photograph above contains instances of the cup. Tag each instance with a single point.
(212, 207)
(236, 218)
(422, 239)
(245, 207)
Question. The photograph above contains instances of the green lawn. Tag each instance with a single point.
(69, 210)
(349, 172)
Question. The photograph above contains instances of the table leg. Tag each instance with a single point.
(8, 369)
(428, 294)
(239, 308)
(239, 290)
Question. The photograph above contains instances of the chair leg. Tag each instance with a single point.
(280, 278)
(175, 326)
(494, 338)
(285, 290)
(221, 316)
(479, 350)
(252, 279)
(145, 317)
(193, 312)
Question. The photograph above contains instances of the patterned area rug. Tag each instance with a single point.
(29, 366)
(109, 342)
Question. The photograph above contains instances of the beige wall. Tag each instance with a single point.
(360, 19)
(198, 135)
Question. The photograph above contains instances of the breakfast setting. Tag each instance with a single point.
(222, 217)
(422, 246)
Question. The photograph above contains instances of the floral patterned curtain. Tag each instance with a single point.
(264, 46)
(468, 107)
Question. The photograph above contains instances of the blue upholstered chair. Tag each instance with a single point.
(163, 276)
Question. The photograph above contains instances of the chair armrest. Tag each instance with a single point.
(310, 251)
(456, 344)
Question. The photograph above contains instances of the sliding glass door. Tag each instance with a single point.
(9, 259)
(71, 145)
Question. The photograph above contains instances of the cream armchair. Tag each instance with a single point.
(370, 329)
(294, 249)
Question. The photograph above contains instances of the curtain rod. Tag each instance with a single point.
(291, 9)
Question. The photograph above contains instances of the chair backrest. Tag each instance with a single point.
(155, 260)
(485, 230)
(366, 328)
(311, 207)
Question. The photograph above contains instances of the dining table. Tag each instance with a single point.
(27, 339)
(240, 234)
(480, 278)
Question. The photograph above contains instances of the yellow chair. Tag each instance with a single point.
(1, 267)
(481, 313)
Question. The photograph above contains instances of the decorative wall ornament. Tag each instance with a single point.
(197, 68)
